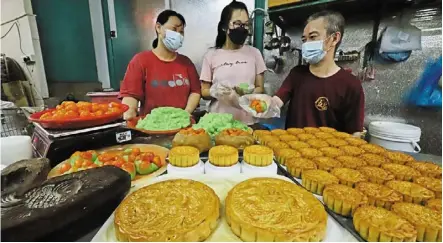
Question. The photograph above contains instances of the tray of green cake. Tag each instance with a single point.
(162, 121)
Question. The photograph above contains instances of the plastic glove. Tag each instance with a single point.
(224, 94)
(272, 108)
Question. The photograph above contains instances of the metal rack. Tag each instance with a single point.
(14, 122)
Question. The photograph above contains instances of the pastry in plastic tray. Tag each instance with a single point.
(331, 152)
(305, 136)
(374, 159)
(379, 195)
(311, 130)
(284, 154)
(399, 157)
(198, 138)
(310, 153)
(184, 156)
(258, 155)
(327, 129)
(401, 172)
(278, 132)
(336, 142)
(341, 135)
(295, 131)
(376, 175)
(288, 138)
(343, 200)
(234, 137)
(316, 180)
(267, 139)
(426, 168)
(426, 221)
(348, 177)
(352, 150)
(323, 135)
(373, 148)
(430, 183)
(172, 210)
(223, 155)
(298, 145)
(375, 224)
(317, 143)
(355, 141)
(277, 145)
(326, 163)
(351, 162)
(412, 192)
(434, 204)
(257, 134)
(296, 166)
(255, 214)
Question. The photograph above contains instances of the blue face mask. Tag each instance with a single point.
(173, 40)
(313, 51)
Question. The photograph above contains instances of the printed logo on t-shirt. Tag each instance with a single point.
(322, 103)
(231, 64)
(177, 81)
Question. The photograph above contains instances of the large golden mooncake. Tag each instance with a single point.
(327, 129)
(282, 155)
(265, 139)
(426, 221)
(348, 177)
(336, 142)
(287, 138)
(223, 155)
(376, 175)
(298, 145)
(326, 163)
(305, 136)
(277, 145)
(296, 166)
(295, 131)
(401, 172)
(257, 134)
(331, 152)
(430, 183)
(311, 130)
(278, 132)
(374, 159)
(379, 195)
(426, 168)
(412, 192)
(317, 143)
(434, 204)
(352, 150)
(184, 156)
(343, 200)
(341, 135)
(323, 135)
(316, 180)
(355, 141)
(399, 157)
(172, 210)
(375, 224)
(351, 162)
(270, 209)
(310, 153)
(258, 155)
(373, 148)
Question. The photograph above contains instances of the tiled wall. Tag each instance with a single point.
(384, 94)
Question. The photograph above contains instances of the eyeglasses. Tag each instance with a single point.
(237, 24)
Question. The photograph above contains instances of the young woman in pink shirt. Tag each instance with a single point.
(231, 63)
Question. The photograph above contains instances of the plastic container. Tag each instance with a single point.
(395, 136)
(222, 171)
(15, 148)
(259, 170)
(196, 169)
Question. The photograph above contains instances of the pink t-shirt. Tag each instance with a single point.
(233, 67)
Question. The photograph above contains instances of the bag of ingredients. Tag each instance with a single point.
(259, 106)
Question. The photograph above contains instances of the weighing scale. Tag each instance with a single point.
(58, 145)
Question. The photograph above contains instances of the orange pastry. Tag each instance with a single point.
(184, 156)
(412, 192)
(278, 132)
(352, 150)
(311, 130)
(331, 152)
(282, 155)
(287, 138)
(267, 139)
(376, 175)
(374, 159)
(355, 141)
(336, 142)
(351, 162)
(323, 135)
(258, 155)
(430, 183)
(234, 137)
(426, 168)
(327, 129)
(343, 200)
(223, 156)
(296, 166)
(305, 136)
(401, 172)
(348, 177)
(434, 204)
(310, 153)
(298, 145)
(373, 148)
(316, 180)
(326, 163)
(257, 134)
(341, 135)
(277, 145)
(379, 195)
(399, 157)
(317, 143)
(295, 131)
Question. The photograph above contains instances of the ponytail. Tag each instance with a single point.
(223, 24)
(155, 43)
(221, 36)
(163, 17)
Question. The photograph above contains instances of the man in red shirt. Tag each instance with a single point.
(322, 93)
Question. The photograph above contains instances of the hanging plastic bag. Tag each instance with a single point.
(260, 105)
(427, 91)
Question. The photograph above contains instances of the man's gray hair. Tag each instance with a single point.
(334, 21)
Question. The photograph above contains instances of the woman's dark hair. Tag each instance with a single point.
(163, 17)
(224, 21)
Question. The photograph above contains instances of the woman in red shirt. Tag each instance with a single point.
(162, 77)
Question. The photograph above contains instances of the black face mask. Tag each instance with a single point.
(238, 35)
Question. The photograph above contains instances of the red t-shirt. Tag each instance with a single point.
(337, 101)
(156, 83)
